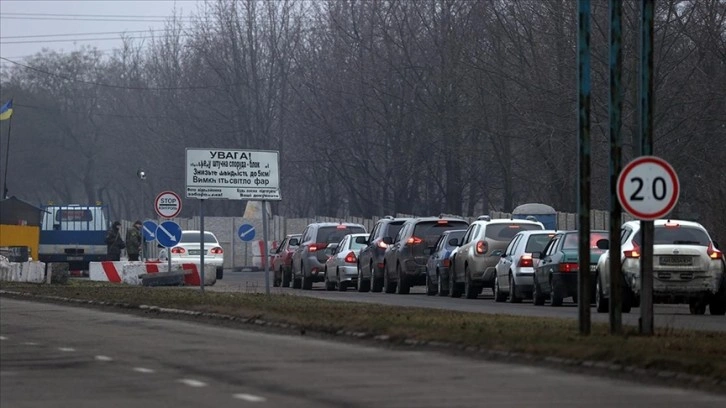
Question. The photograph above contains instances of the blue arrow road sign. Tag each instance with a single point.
(168, 233)
(149, 230)
(246, 232)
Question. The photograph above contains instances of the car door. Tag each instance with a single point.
(462, 253)
(544, 267)
(277, 257)
(366, 253)
(505, 262)
(391, 255)
(298, 254)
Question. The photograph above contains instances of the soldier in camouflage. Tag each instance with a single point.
(133, 241)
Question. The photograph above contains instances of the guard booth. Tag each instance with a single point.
(19, 229)
(542, 212)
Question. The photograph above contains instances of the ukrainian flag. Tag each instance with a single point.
(6, 111)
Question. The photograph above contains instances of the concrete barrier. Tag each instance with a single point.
(32, 271)
(129, 272)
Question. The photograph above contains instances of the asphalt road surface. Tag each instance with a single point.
(63, 356)
(666, 316)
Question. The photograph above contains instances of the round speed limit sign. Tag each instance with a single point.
(648, 188)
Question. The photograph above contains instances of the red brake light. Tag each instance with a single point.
(525, 261)
(713, 253)
(178, 250)
(446, 263)
(414, 241)
(633, 253)
(672, 225)
(217, 251)
(350, 258)
(442, 222)
(341, 226)
(382, 244)
(568, 267)
(318, 246)
(481, 247)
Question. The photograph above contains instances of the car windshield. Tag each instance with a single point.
(676, 235)
(336, 233)
(194, 237)
(358, 242)
(430, 231)
(507, 231)
(571, 240)
(537, 242)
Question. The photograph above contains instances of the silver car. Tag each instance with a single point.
(687, 267)
(341, 268)
(515, 268)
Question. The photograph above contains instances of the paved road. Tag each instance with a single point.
(666, 316)
(53, 355)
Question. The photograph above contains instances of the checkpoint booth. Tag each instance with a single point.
(19, 229)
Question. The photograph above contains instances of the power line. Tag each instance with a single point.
(135, 88)
(80, 15)
(17, 37)
(140, 37)
(128, 20)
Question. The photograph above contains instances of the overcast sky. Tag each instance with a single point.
(28, 26)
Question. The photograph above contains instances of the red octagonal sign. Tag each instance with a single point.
(648, 188)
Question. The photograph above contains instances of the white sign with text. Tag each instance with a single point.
(233, 174)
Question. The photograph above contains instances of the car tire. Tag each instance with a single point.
(499, 296)
(285, 278)
(403, 287)
(307, 281)
(329, 286)
(376, 283)
(470, 289)
(601, 302)
(342, 286)
(455, 288)
(388, 286)
(697, 306)
(513, 295)
(442, 289)
(538, 298)
(431, 289)
(717, 305)
(296, 283)
(364, 285)
(557, 295)
(628, 299)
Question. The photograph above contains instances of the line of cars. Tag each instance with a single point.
(517, 259)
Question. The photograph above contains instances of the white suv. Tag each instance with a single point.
(473, 262)
(687, 267)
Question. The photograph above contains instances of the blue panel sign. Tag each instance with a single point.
(168, 233)
(246, 232)
(149, 230)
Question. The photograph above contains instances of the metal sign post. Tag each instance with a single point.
(201, 244)
(265, 250)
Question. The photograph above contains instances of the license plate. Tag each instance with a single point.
(75, 258)
(195, 252)
(593, 268)
(676, 260)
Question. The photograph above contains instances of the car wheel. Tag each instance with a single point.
(307, 281)
(628, 299)
(499, 296)
(601, 303)
(431, 290)
(513, 295)
(403, 287)
(538, 298)
(389, 287)
(376, 283)
(328, 284)
(717, 306)
(557, 294)
(455, 289)
(470, 289)
(441, 287)
(697, 306)
(363, 285)
(285, 278)
(342, 286)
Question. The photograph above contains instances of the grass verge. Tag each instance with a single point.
(691, 352)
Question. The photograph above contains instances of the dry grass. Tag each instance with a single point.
(687, 351)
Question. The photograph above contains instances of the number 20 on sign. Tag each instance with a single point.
(648, 188)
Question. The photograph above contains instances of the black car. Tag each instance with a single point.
(556, 267)
(437, 267)
(308, 260)
(404, 263)
(370, 258)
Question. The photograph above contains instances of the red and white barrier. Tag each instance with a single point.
(129, 272)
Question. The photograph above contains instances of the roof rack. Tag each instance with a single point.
(388, 217)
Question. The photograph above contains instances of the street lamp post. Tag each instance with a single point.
(142, 176)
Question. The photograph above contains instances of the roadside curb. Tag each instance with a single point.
(655, 376)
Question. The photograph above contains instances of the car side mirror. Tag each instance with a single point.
(603, 244)
(536, 255)
(453, 242)
(294, 242)
(273, 251)
(387, 240)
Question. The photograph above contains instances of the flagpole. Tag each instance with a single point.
(7, 159)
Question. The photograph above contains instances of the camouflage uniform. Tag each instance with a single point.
(114, 243)
(133, 241)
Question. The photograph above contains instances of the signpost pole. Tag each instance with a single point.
(265, 250)
(201, 244)
(646, 149)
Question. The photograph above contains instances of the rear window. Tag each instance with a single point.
(194, 237)
(330, 235)
(676, 236)
(430, 231)
(505, 232)
(393, 228)
(537, 242)
(572, 240)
